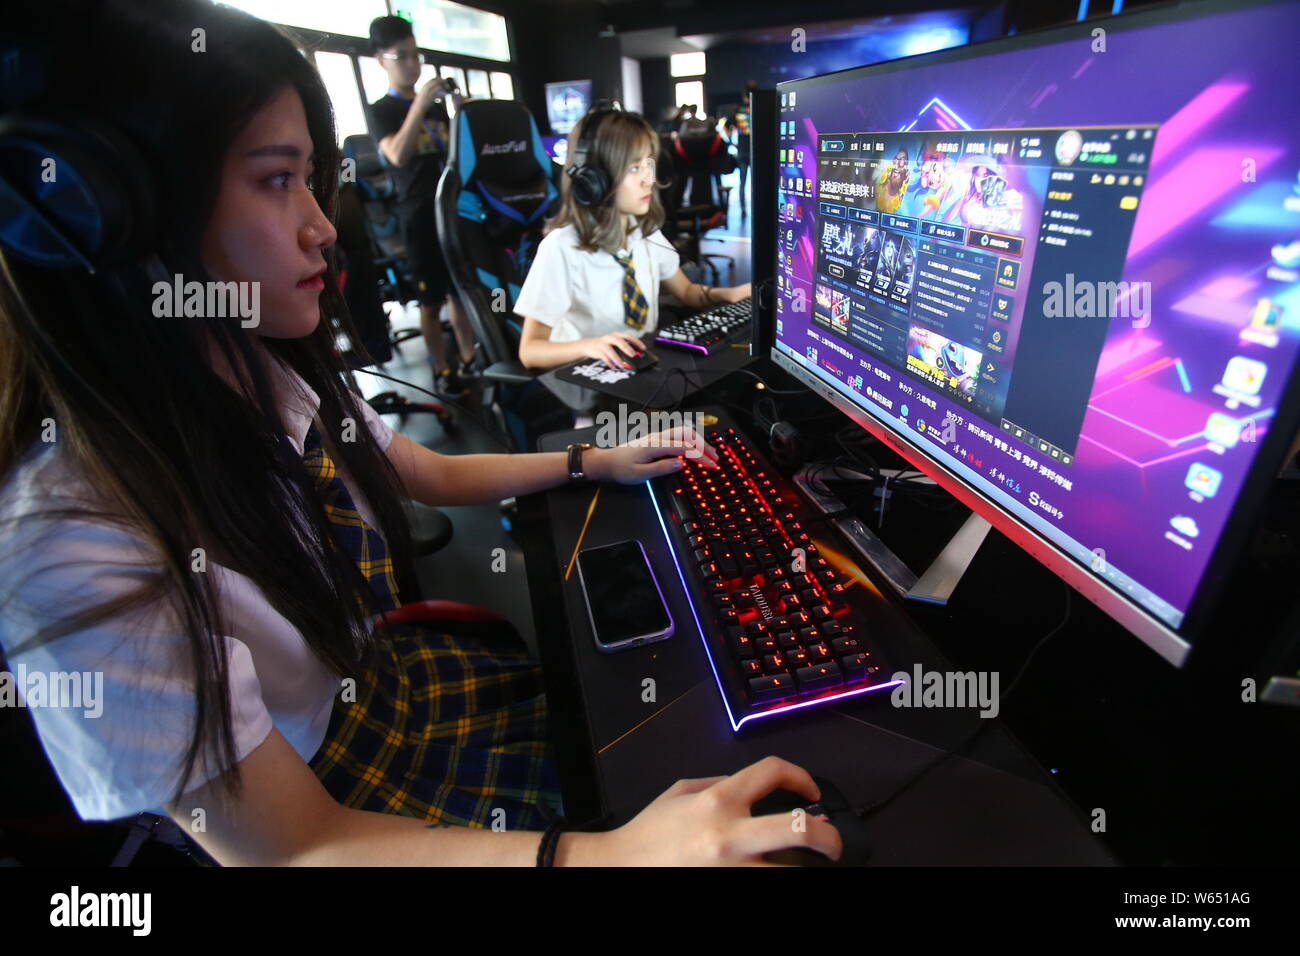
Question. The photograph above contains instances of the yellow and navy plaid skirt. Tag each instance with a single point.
(446, 729)
(447, 726)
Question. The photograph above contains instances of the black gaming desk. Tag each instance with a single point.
(618, 749)
(679, 373)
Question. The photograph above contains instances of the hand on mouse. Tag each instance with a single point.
(651, 456)
(612, 348)
(707, 822)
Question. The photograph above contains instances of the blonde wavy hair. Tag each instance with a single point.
(621, 138)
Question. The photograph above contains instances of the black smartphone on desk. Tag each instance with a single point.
(624, 602)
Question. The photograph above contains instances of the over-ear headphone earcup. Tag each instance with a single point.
(72, 194)
(589, 185)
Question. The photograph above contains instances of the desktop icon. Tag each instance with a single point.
(1243, 376)
(1203, 479)
(1185, 525)
(1267, 315)
(1222, 430)
(1287, 255)
(1265, 320)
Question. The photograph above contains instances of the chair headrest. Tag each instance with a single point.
(698, 142)
(498, 142)
(361, 147)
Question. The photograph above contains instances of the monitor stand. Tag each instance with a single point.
(937, 582)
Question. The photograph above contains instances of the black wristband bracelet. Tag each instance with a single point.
(550, 842)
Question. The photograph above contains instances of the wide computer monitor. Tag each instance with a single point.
(1058, 273)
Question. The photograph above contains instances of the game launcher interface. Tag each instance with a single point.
(1069, 271)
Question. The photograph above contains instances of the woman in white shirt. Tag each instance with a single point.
(593, 287)
(172, 478)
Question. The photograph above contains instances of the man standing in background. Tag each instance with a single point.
(413, 130)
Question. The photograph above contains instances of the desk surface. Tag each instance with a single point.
(619, 750)
(679, 372)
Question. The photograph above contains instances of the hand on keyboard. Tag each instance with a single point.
(659, 454)
(707, 822)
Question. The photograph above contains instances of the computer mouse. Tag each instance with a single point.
(643, 361)
(833, 805)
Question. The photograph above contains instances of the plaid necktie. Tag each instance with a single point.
(635, 307)
(362, 543)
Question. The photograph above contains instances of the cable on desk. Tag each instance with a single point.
(877, 806)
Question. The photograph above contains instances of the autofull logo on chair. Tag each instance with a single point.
(498, 149)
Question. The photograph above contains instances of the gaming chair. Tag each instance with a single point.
(494, 197)
(697, 201)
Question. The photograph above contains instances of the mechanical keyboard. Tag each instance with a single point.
(710, 331)
(779, 627)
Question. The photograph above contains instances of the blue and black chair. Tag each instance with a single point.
(493, 200)
(383, 228)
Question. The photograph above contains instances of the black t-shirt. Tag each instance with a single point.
(417, 181)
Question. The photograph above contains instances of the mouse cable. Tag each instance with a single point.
(970, 738)
(490, 432)
(687, 386)
(769, 388)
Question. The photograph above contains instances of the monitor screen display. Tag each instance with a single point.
(557, 147)
(1065, 266)
(566, 103)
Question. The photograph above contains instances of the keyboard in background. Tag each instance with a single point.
(777, 638)
(710, 331)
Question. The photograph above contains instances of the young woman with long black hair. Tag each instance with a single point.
(204, 514)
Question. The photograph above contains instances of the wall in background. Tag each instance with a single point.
(731, 65)
(544, 54)
(632, 85)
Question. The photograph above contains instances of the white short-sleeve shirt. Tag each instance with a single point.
(121, 751)
(579, 294)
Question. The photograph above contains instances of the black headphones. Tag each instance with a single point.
(75, 193)
(589, 184)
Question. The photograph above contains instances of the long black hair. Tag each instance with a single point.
(182, 459)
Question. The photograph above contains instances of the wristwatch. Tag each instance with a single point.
(575, 450)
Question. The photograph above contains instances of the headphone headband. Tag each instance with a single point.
(589, 184)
